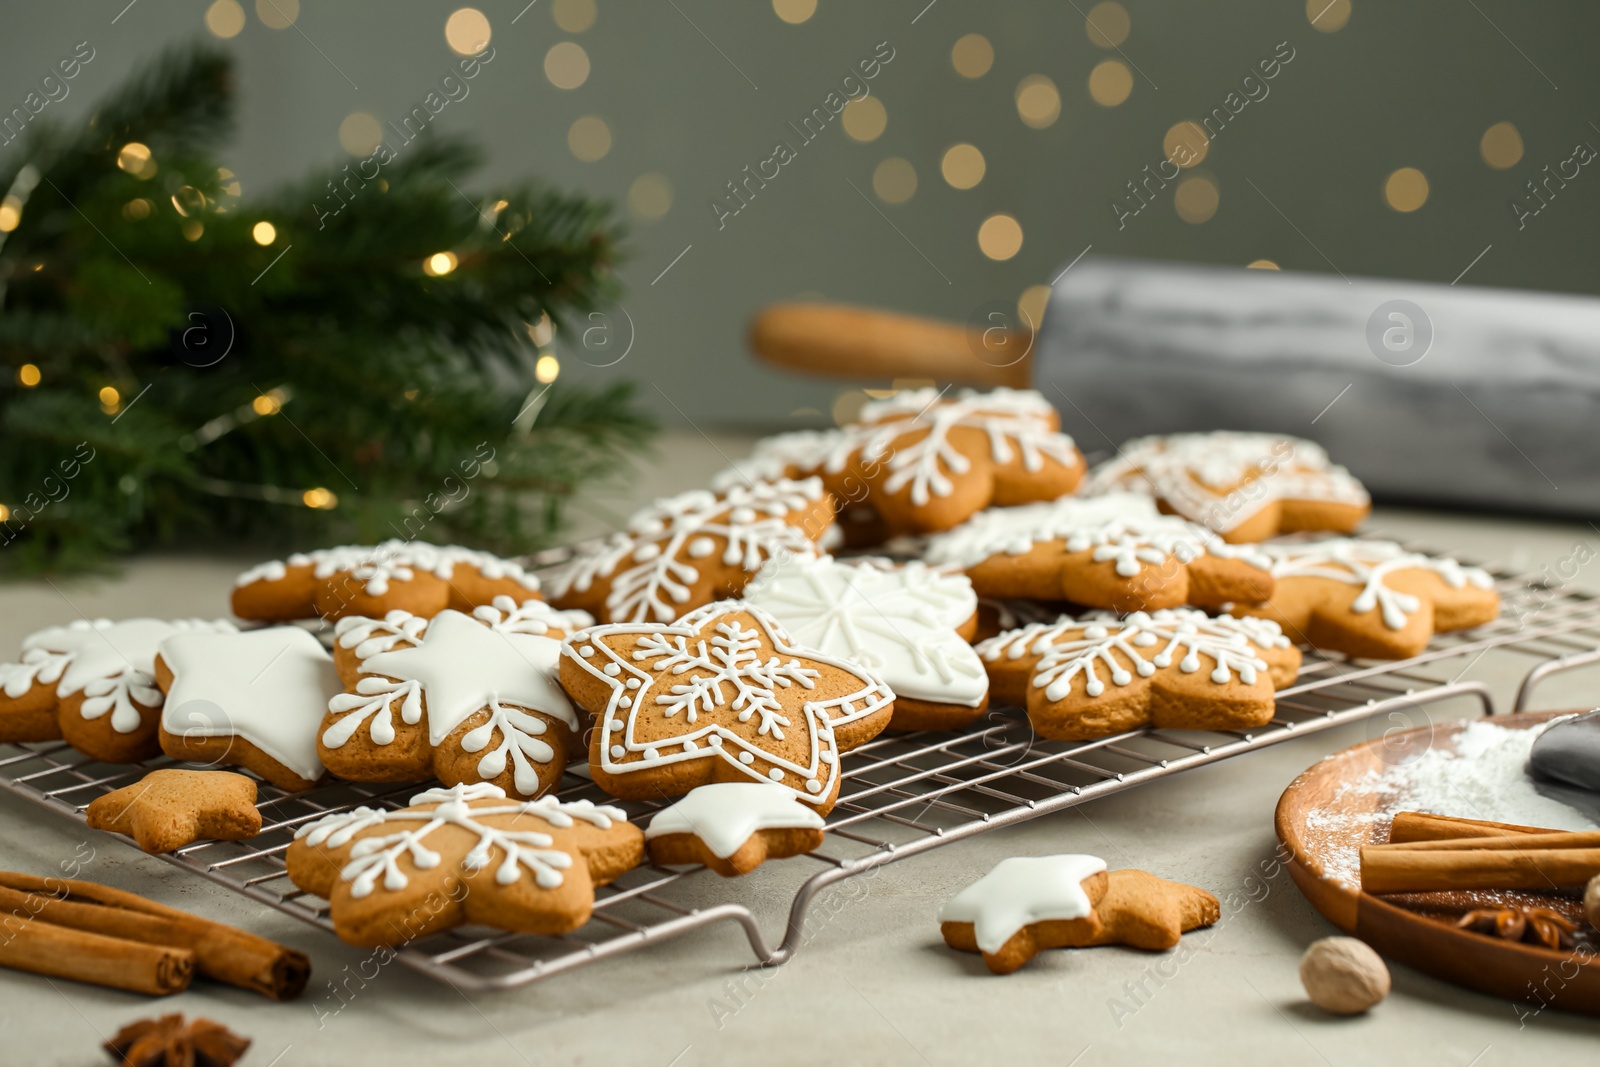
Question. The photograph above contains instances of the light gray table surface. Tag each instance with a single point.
(874, 983)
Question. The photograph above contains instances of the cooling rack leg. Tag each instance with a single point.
(1546, 669)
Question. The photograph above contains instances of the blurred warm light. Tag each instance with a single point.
(566, 65)
(5, 513)
(1406, 189)
(230, 183)
(1107, 24)
(440, 263)
(847, 406)
(360, 133)
(266, 404)
(133, 210)
(1110, 82)
(1196, 199)
(1038, 101)
(574, 16)
(894, 180)
(320, 498)
(650, 196)
(1031, 305)
(1328, 16)
(1501, 146)
(865, 119)
(278, 14)
(110, 399)
(1186, 143)
(1261, 264)
(28, 375)
(188, 201)
(264, 233)
(541, 332)
(1000, 237)
(962, 166)
(972, 55)
(10, 214)
(547, 368)
(225, 18)
(589, 138)
(193, 230)
(794, 12)
(467, 31)
(135, 158)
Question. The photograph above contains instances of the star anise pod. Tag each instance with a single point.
(171, 1042)
(1539, 926)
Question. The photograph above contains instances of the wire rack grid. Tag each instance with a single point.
(902, 795)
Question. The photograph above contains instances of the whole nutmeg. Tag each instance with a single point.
(1591, 902)
(1343, 976)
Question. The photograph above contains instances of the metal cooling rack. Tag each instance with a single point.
(902, 795)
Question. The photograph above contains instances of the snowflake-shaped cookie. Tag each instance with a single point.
(1245, 486)
(686, 551)
(1115, 551)
(469, 698)
(1178, 668)
(723, 694)
(369, 580)
(465, 854)
(92, 682)
(909, 623)
(1371, 598)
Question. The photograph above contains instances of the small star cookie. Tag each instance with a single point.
(1147, 912)
(168, 809)
(733, 827)
(466, 854)
(1024, 905)
(723, 694)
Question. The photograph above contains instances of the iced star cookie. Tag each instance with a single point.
(1244, 486)
(1178, 668)
(467, 854)
(92, 683)
(686, 551)
(908, 623)
(250, 700)
(168, 809)
(464, 698)
(733, 827)
(1371, 599)
(721, 695)
(1114, 551)
(1026, 904)
(413, 576)
(814, 453)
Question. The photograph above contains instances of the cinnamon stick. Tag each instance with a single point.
(61, 952)
(222, 953)
(1420, 826)
(1553, 839)
(1418, 870)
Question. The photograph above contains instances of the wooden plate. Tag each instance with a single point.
(1320, 829)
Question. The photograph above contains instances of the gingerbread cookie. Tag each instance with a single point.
(1178, 669)
(1114, 551)
(995, 617)
(1244, 486)
(909, 623)
(168, 809)
(686, 551)
(815, 453)
(1151, 913)
(1371, 599)
(733, 827)
(720, 695)
(369, 580)
(465, 698)
(250, 700)
(1026, 904)
(462, 855)
(93, 683)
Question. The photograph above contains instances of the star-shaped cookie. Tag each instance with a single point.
(733, 827)
(466, 698)
(169, 808)
(723, 694)
(1115, 551)
(1147, 912)
(1100, 674)
(1026, 904)
(466, 854)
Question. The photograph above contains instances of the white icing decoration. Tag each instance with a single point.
(1198, 474)
(395, 560)
(1369, 565)
(784, 455)
(270, 685)
(730, 685)
(899, 621)
(651, 566)
(1020, 891)
(378, 857)
(1085, 646)
(725, 814)
(111, 663)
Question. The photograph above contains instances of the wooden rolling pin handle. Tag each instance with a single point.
(846, 342)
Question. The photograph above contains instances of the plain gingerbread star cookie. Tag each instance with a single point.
(1147, 912)
(168, 808)
(733, 827)
(1024, 905)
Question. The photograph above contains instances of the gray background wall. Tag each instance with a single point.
(697, 89)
